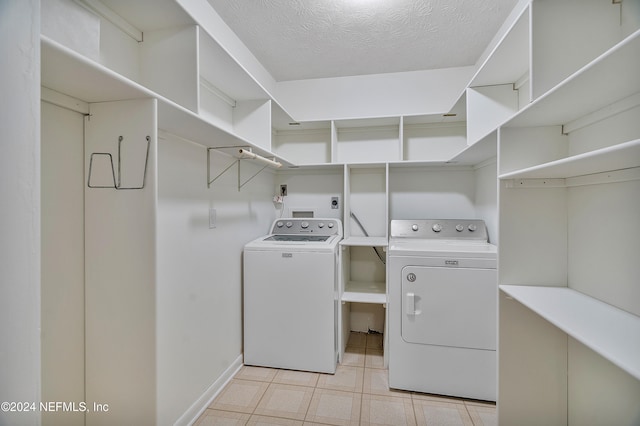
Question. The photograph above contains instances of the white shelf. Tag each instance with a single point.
(621, 156)
(610, 77)
(365, 241)
(509, 60)
(70, 73)
(365, 292)
(482, 150)
(188, 125)
(607, 330)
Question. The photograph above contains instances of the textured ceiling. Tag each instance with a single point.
(301, 39)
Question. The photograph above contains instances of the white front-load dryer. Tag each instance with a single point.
(442, 308)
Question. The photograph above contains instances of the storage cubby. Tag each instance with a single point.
(366, 197)
(169, 64)
(585, 28)
(509, 60)
(487, 108)
(363, 251)
(363, 288)
(364, 268)
(303, 143)
(501, 86)
(366, 140)
(229, 98)
(432, 138)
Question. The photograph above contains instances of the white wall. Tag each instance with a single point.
(313, 190)
(120, 279)
(377, 95)
(432, 193)
(199, 286)
(66, 22)
(20, 195)
(62, 261)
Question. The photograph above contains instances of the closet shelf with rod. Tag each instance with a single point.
(242, 154)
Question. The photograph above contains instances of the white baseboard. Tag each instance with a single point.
(197, 408)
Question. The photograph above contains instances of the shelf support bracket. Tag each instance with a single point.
(236, 161)
(240, 185)
(209, 180)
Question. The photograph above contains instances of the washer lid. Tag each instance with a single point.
(299, 238)
(307, 243)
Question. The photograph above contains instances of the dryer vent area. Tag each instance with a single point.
(364, 350)
(363, 331)
(366, 318)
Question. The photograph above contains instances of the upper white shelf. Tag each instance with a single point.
(480, 151)
(509, 60)
(72, 74)
(607, 79)
(616, 157)
(607, 330)
(365, 241)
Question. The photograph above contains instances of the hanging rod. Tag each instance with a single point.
(248, 154)
(118, 185)
(244, 155)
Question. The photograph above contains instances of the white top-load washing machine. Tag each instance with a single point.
(442, 308)
(290, 302)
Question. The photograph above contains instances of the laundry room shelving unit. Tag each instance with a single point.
(366, 140)
(151, 95)
(569, 199)
(363, 250)
(305, 144)
(419, 139)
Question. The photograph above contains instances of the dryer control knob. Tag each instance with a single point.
(304, 225)
(330, 225)
(472, 227)
(436, 227)
(321, 225)
(459, 228)
(414, 227)
(280, 224)
(289, 224)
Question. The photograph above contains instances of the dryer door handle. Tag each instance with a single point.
(410, 304)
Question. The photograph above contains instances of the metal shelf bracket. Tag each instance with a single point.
(238, 162)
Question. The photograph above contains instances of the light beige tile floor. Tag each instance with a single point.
(358, 394)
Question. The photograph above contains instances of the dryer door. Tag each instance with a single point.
(449, 306)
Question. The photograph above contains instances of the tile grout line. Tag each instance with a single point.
(253, 412)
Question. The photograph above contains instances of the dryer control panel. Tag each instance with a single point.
(445, 229)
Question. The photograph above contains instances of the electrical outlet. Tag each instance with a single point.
(283, 190)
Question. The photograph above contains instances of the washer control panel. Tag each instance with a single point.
(291, 226)
(449, 229)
